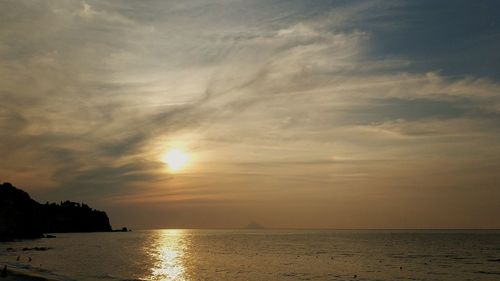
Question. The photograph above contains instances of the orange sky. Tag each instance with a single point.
(324, 115)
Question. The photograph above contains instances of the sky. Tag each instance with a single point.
(292, 114)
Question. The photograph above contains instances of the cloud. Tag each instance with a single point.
(94, 91)
(89, 13)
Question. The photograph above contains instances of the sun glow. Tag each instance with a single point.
(176, 159)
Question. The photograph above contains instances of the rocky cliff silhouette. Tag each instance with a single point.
(22, 217)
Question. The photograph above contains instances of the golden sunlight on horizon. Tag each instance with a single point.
(176, 159)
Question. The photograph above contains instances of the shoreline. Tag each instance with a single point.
(14, 275)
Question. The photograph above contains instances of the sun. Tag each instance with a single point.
(176, 159)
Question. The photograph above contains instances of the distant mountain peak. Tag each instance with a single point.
(254, 225)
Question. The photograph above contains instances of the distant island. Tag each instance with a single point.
(255, 225)
(22, 217)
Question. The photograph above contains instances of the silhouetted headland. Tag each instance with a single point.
(22, 217)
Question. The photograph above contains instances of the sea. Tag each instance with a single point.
(177, 254)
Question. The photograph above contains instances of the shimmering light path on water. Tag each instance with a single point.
(262, 255)
(168, 251)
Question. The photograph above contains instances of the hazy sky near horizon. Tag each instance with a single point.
(343, 114)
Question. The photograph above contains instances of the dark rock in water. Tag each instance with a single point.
(123, 229)
(22, 217)
(4, 272)
(36, 249)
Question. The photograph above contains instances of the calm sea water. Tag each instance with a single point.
(262, 255)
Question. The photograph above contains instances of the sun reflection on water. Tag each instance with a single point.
(168, 254)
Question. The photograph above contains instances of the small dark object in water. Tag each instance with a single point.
(4, 272)
(18, 258)
(123, 229)
(29, 259)
(331, 258)
(50, 236)
(355, 276)
(36, 249)
(400, 267)
(10, 249)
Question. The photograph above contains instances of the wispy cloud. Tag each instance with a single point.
(290, 99)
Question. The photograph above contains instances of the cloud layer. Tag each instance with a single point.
(295, 114)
